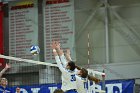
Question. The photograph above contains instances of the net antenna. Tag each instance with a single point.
(27, 60)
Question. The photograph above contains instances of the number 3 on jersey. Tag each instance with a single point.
(73, 78)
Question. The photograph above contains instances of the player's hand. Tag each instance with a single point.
(57, 45)
(7, 66)
(53, 45)
(68, 51)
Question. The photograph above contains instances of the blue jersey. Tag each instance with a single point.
(5, 90)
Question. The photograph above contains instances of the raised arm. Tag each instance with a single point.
(53, 46)
(4, 70)
(57, 59)
(61, 54)
(68, 57)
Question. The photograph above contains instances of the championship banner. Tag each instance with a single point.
(1, 36)
(23, 28)
(59, 24)
(112, 86)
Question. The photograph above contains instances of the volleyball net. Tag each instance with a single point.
(30, 72)
(37, 73)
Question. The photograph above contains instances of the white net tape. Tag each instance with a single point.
(27, 60)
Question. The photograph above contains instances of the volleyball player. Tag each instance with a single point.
(68, 74)
(82, 74)
(4, 81)
(3, 86)
(81, 78)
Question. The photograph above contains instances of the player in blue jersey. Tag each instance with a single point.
(3, 81)
(3, 86)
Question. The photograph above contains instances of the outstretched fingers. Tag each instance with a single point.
(53, 45)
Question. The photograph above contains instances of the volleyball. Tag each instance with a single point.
(34, 50)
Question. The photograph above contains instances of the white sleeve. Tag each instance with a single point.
(63, 60)
(62, 69)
